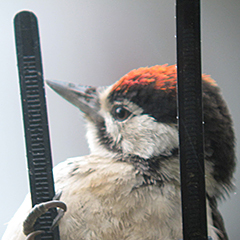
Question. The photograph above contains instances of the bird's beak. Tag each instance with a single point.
(83, 97)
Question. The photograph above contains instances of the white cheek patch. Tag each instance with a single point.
(140, 135)
(113, 128)
(145, 137)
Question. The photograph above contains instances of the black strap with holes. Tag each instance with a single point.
(191, 120)
(35, 118)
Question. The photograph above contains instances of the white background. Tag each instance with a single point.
(95, 43)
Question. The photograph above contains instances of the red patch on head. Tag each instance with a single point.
(162, 77)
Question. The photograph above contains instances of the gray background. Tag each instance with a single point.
(95, 43)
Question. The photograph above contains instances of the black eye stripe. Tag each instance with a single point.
(105, 139)
(120, 113)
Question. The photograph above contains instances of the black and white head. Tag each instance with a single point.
(135, 120)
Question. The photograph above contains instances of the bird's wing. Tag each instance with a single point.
(218, 222)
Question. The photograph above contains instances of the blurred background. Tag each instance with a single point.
(95, 43)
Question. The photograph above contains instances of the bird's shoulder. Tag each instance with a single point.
(91, 171)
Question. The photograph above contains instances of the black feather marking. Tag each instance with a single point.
(219, 135)
(159, 104)
(150, 168)
(105, 139)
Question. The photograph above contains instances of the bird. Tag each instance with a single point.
(129, 187)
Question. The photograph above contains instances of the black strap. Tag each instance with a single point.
(191, 120)
(35, 117)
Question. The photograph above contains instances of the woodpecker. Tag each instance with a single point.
(128, 187)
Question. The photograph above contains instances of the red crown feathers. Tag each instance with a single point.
(162, 77)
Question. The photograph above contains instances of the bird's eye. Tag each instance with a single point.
(120, 113)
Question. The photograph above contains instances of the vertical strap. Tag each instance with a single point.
(35, 117)
(191, 120)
